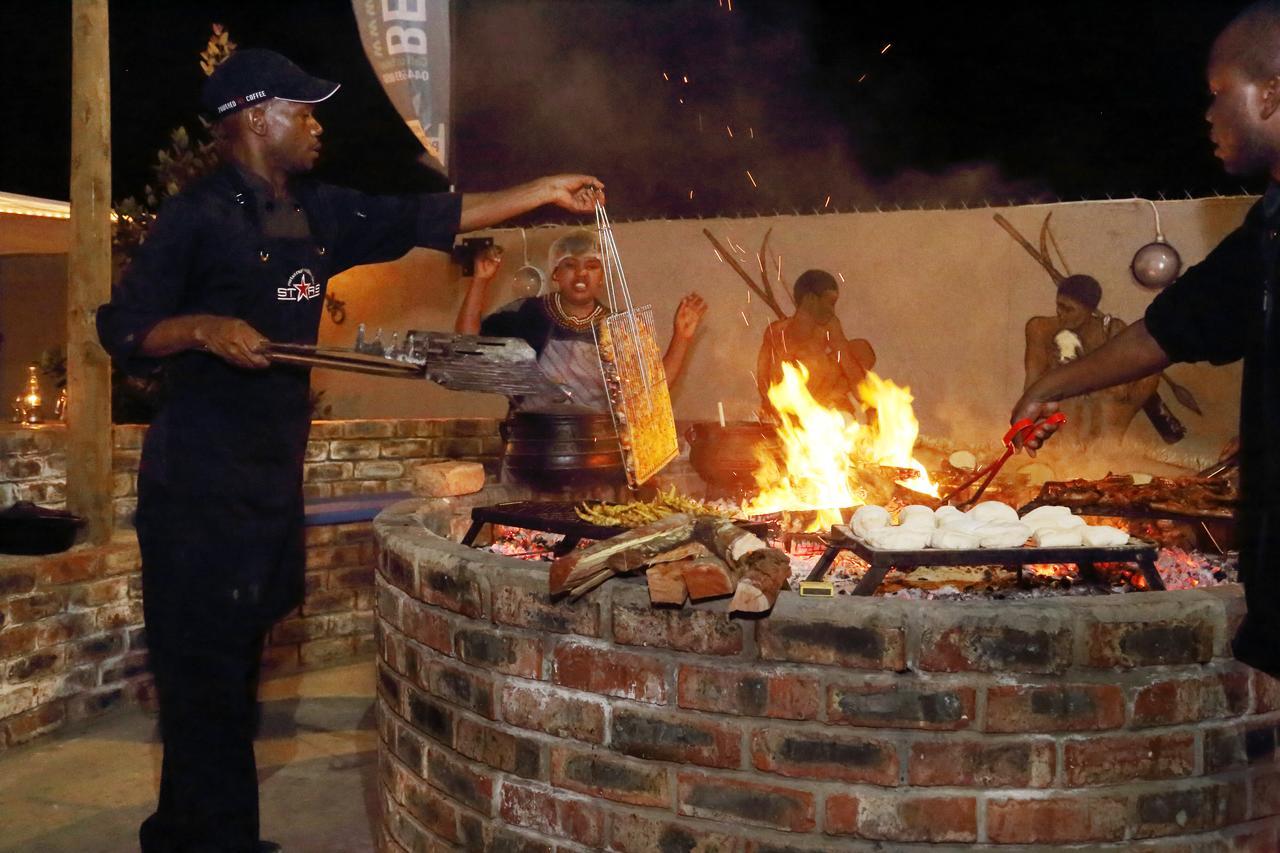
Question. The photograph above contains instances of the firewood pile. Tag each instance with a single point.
(684, 558)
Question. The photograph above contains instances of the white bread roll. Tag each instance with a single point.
(899, 538)
(951, 539)
(945, 514)
(1003, 534)
(1104, 536)
(988, 511)
(867, 518)
(1057, 537)
(1045, 515)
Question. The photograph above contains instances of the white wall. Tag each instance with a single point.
(943, 296)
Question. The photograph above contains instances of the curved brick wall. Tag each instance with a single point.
(512, 723)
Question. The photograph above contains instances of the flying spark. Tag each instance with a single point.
(750, 178)
(751, 133)
(863, 77)
(690, 193)
(685, 78)
(885, 49)
(744, 317)
(840, 276)
(730, 129)
(827, 203)
(665, 77)
(719, 257)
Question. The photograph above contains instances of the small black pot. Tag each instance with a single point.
(29, 529)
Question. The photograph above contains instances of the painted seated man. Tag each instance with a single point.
(813, 337)
(1079, 328)
(558, 324)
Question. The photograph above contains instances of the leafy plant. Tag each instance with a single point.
(188, 157)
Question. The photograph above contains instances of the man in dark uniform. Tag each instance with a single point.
(1222, 310)
(239, 259)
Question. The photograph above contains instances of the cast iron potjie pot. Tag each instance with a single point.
(725, 456)
(562, 449)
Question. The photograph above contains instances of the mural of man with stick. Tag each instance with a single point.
(1078, 328)
(814, 338)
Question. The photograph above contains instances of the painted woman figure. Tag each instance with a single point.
(558, 325)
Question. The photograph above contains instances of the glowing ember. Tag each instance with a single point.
(824, 448)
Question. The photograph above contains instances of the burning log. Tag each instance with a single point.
(666, 583)
(765, 575)
(583, 570)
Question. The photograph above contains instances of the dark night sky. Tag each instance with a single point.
(972, 101)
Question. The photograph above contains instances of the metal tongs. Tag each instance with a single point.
(1013, 441)
(304, 355)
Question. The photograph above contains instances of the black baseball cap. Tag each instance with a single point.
(252, 76)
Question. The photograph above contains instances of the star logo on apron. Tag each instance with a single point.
(302, 285)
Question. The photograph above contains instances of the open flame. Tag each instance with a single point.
(823, 449)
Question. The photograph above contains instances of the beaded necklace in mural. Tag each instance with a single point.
(567, 320)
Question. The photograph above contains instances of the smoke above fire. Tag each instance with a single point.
(682, 108)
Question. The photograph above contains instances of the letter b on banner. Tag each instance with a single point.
(406, 40)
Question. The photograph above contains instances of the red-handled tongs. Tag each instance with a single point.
(1013, 441)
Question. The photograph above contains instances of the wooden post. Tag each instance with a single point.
(89, 278)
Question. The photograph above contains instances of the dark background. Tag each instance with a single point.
(991, 101)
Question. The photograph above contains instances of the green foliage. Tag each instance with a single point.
(187, 158)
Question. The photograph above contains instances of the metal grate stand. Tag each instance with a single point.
(880, 562)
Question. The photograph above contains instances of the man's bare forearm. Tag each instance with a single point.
(175, 334)
(481, 210)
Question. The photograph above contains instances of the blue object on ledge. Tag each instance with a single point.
(351, 508)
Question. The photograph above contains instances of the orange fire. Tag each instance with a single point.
(823, 449)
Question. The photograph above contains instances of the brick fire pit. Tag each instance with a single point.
(509, 722)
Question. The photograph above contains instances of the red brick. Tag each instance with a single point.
(903, 817)
(34, 723)
(357, 578)
(427, 625)
(979, 646)
(15, 581)
(511, 753)
(1239, 745)
(685, 629)
(1057, 708)
(455, 589)
(1195, 806)
(510, 654)
(1137, 644)
(748, 692)
(529, 608)
(315, 652)
(901, 706)
(606, 776)
(125, 615)
(838, 757)
(72, 567)
(610, 672)
(435, 813)
(39, 605)
(738, 801)
(664, 736)
(456, 780)
(456, 685)
(1056, 820)
(550, 812)
(97, 648)
(100, 592)
(59, 629)
(400, 572)
(328, 601)
(36, 665)
(1266, 692)
(1266, 794)
(1168, 703)
(636, 833)
(428, 717)
(387, 604)
(844, 645)
(1102, 760)
(982, 764)
(554, 712)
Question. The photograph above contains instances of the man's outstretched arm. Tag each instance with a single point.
(576, 193)
(1130, 355)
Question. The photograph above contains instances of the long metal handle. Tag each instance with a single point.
(303, 355)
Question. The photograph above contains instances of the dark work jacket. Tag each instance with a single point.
(233, 439)
(1221, 310)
